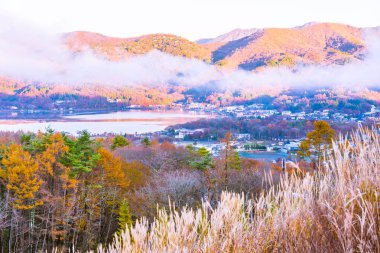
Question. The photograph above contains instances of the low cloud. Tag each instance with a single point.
(29, 53)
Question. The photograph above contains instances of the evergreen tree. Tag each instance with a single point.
(146, 142)
(81, 156)
(118, 142)
(204, 163)
(124, 218)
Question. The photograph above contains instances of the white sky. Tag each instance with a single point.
(192, 19)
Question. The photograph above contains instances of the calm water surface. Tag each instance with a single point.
(263, 155)
(117, 122)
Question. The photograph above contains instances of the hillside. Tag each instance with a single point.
(121, 48)
(314, 43)
(248, 49)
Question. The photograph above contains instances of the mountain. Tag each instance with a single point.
(121, 48)
(248, 49)
(230, 36)
(313, 43)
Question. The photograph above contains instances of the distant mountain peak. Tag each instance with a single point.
(312, 43)
(312, 23)
(235, 34)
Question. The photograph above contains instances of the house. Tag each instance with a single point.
(181, 133)
(243, 137)
(292, 146)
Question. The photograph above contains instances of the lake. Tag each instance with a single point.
(129, 122)
(269, 156)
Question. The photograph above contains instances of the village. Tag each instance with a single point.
(249, 147)
(258, 111)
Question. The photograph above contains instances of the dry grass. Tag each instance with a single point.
(335, 210)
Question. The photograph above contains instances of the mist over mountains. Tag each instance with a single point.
(313, 55)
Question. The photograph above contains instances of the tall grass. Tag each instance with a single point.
(336, 209)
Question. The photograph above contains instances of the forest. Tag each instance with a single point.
(61, 191)
(42, 96)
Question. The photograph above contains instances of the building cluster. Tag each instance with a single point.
(258, 111)
(242, 143)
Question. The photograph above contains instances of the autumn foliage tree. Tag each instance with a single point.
(60, 190)
(20, 176)
(317, 142)
(58, 187)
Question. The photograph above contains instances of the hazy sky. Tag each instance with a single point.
(192, 19)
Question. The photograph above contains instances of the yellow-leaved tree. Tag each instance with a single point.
(58, 188)
(20, 176)
(317, 142)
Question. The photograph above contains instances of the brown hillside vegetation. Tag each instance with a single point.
(249, 49)
(118, 48)
(322, 43)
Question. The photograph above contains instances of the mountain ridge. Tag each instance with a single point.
(121, 48)
(249, 49)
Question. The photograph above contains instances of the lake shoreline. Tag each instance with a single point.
(119, 122)
(7, 114)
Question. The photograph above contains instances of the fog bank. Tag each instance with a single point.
(29, 53)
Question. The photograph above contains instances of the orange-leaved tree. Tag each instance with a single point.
(57, 188)
(20, 176)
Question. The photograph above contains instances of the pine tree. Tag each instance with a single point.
(204, 163)
(81, 157)
(124, 219)
(118, 142)
(146, 142)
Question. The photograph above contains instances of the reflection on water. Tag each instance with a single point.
(118, 122)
